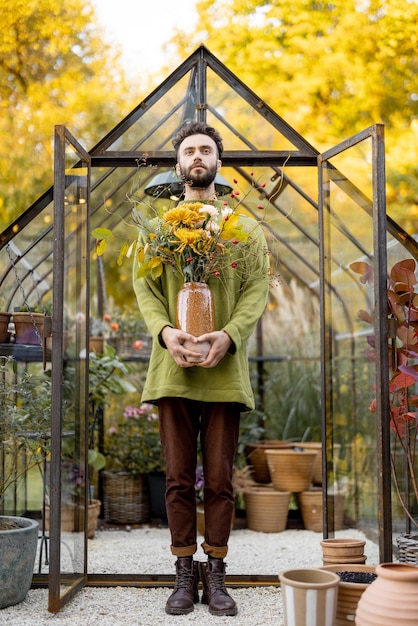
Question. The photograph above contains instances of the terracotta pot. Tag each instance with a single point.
(4, 327)
(317, 447)
(96, 344)
(266, 509)
(349, 593)
(309, 597)
(195, 314)
(311, 508)
(29, 328)
(291, 470)
(343, 551)
(392, 599)
(256, 458)
(68, 521)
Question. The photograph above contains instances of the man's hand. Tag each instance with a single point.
(180, 345)
(175, 341)
(219, 342)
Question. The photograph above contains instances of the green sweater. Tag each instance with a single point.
(239, 303)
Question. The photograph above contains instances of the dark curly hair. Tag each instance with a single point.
(197, 128)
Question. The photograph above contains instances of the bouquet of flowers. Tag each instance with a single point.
(195, 239)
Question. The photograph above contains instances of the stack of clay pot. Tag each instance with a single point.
(336, 551)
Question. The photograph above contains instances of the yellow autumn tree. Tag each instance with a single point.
(55, 68)
(330, 69)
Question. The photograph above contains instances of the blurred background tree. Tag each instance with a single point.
(55, 68)
(330, 69)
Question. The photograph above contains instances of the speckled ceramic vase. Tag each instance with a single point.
(309, 597)
(196, 315)
(392, 599)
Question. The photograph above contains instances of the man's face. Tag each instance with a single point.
(198, 161)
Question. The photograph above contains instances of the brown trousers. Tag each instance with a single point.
(181, 422)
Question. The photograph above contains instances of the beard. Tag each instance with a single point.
(199, 179)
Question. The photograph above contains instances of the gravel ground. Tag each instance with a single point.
(147, 551)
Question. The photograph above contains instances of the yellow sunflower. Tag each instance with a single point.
(190, 238)
(182, 215)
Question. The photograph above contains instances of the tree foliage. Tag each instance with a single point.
(330, 68)
(55, 68)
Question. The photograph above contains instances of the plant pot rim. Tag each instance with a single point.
(343, 542)
(393, 570)
(292, 451)
(270, 444)
(23, 522)
(351, 567)
(300, 577)
(265, 490)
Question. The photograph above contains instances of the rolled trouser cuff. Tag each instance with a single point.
(217, 552)
(184, 550)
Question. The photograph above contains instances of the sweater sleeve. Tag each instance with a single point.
(253, 295)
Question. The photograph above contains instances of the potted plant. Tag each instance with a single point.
(126, 331)
(96, 340)
(402, 298)
(107, 377)
(24, 432)
(29, 324)
(133, 450)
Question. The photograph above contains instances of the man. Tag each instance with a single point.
(203, 398)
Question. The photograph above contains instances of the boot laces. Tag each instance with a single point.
(217, 580)
(184, 578)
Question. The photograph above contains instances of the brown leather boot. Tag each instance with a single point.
(185, 592)
(212, 575)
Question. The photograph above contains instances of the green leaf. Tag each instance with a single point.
(102, 233)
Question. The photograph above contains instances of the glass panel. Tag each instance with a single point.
(350, 222)
(153, 130)
(70, 372)
(226, 105)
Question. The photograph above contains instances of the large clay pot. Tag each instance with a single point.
(196, 315)
(256, 458)
(18, 552)
(350, 591)
(68, 517)
(317, 447)
(291, 469)
(311, 508)
(266, 509)
(309, 597)
(392, 599)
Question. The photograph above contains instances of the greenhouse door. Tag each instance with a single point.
(352, 211)
(68, 473)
